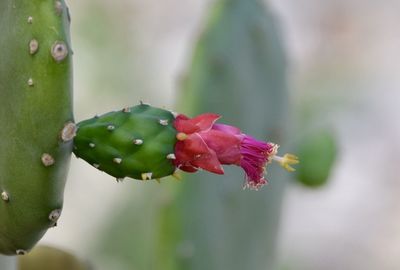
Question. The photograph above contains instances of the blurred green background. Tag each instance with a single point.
(341, 63)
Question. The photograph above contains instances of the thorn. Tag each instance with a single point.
(117, 160)
(119, 180)
(47, 160)
(181, 136)
(138, 141)
(171, 156)
(5, 197)
(30, 82)
(55, 215)
(92, 145)
(30, 19)
(177, 176)
(59, 51)
(21, 252)
(96, 165)
(163, 122)
(147, 176)
(110, 127)
(68, 132)
(126, 110)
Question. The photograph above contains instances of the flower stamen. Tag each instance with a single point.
(286, 161)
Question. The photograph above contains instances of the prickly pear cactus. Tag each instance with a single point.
(36, 118)
(136, 142)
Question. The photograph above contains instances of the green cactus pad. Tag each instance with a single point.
(35, 106)
(136, 142)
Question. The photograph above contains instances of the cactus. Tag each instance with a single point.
(136, 142)
(143, 142)
(36, 116)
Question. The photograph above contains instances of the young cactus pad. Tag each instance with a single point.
(36, 119)
(143, 142)
(135, 142)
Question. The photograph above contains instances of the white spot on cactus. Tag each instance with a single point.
(4, 196)
(96, 165)
(68, 132)
(58, 6)
(30, 19)
(164, 122)
(92, 145)
(21, 252)
(33, 46)
(55, 215)
(126, 110)
(138, 141)
(47, 160)
(110, 127)
(147, 176)
(171, 156)
(30, 82)
(59, 51)
(117, 160)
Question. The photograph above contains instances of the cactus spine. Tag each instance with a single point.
(36, 118)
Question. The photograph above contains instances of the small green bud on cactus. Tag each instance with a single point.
(144, 143)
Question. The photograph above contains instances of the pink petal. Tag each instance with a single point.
(225, 145)
(227, 129)
(201, 122)
(194, 152)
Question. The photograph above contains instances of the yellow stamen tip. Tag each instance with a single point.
(181, 136)
(287, 160)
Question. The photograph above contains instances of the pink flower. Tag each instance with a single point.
(204, 144)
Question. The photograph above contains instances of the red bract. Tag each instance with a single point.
(206, 145)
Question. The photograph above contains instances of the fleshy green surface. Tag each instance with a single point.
(32, 114)
(317, 153)
(129, 143)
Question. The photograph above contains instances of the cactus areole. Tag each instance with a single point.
(143, 142)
